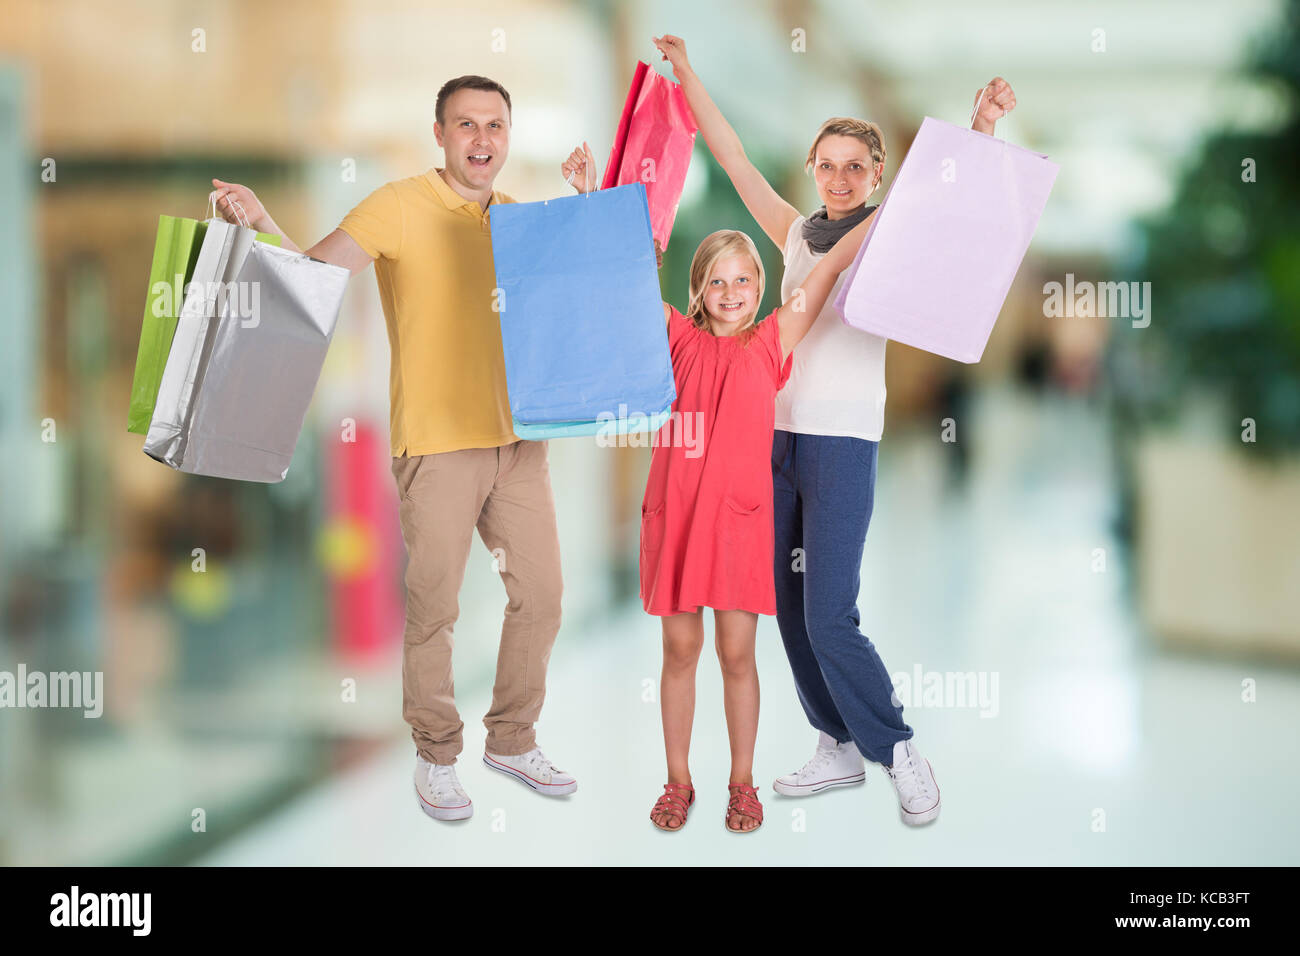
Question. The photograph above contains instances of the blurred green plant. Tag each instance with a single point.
(1225, 259)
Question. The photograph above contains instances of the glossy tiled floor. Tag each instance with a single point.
(1091, 747)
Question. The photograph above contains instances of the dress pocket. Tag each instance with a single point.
(652, 528)
(740, 522)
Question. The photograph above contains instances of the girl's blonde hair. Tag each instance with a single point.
(868, 133)
(716, 247)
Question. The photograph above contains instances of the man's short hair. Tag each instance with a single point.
(467, 83)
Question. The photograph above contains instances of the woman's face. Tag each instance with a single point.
(731, 294)
(844, 173)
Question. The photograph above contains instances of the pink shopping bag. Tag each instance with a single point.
(653, 144)
(938, 259)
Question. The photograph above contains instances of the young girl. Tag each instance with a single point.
(706, 520)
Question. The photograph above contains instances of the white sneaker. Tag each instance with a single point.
(918, 793)
(440, 793)
(833, 765)
(535, 770)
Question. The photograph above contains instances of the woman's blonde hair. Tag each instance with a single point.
(716, 247)
(868, 133)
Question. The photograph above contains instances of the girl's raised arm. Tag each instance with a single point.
(772, 213)
(797, 314)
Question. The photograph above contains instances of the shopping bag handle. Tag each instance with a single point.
(239, 210)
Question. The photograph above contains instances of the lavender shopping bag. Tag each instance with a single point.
(939, 257)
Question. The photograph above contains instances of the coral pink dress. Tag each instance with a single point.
(706, 519)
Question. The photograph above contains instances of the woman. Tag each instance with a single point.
(829, 419)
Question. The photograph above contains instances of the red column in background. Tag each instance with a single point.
(362, 504)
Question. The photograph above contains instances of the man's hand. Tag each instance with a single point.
(674, 51)
(239, 205)
(581, 166)
(998, 100)
(659, 256)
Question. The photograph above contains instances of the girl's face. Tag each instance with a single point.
(731, 294)
(845, 174)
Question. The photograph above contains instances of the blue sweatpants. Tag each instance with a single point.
(823, 489)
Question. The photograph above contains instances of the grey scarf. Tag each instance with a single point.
(821, 233)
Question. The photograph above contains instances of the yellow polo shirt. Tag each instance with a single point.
(433, 260)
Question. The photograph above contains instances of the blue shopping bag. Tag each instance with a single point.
(626, 425)
(582, 322)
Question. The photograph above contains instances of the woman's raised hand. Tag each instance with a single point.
(238, 204)
(998, 100)
(674, 51)
(581, 165)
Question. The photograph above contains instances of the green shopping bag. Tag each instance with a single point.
(174, 252)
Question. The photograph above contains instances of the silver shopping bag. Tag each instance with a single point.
(250, 342)
(213, 270)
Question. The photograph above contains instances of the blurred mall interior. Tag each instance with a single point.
(1099, 541)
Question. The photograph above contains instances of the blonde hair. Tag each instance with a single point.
(716, 247)
(868, 133)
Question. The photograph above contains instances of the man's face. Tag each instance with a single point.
(475, 137)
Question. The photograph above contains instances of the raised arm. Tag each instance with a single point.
(800, 311)
(772, 213)
(240, 205)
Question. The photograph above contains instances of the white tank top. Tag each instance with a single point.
(837, 386)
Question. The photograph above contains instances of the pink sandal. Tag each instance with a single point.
(674, 805)
(744, 801)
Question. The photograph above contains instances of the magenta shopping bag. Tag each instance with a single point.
(653, 144)
(938, 259)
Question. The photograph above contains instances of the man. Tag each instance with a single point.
(456, 461)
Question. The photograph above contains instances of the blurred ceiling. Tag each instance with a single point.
(358, 77)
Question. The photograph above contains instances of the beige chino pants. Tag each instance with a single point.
(505, 493)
